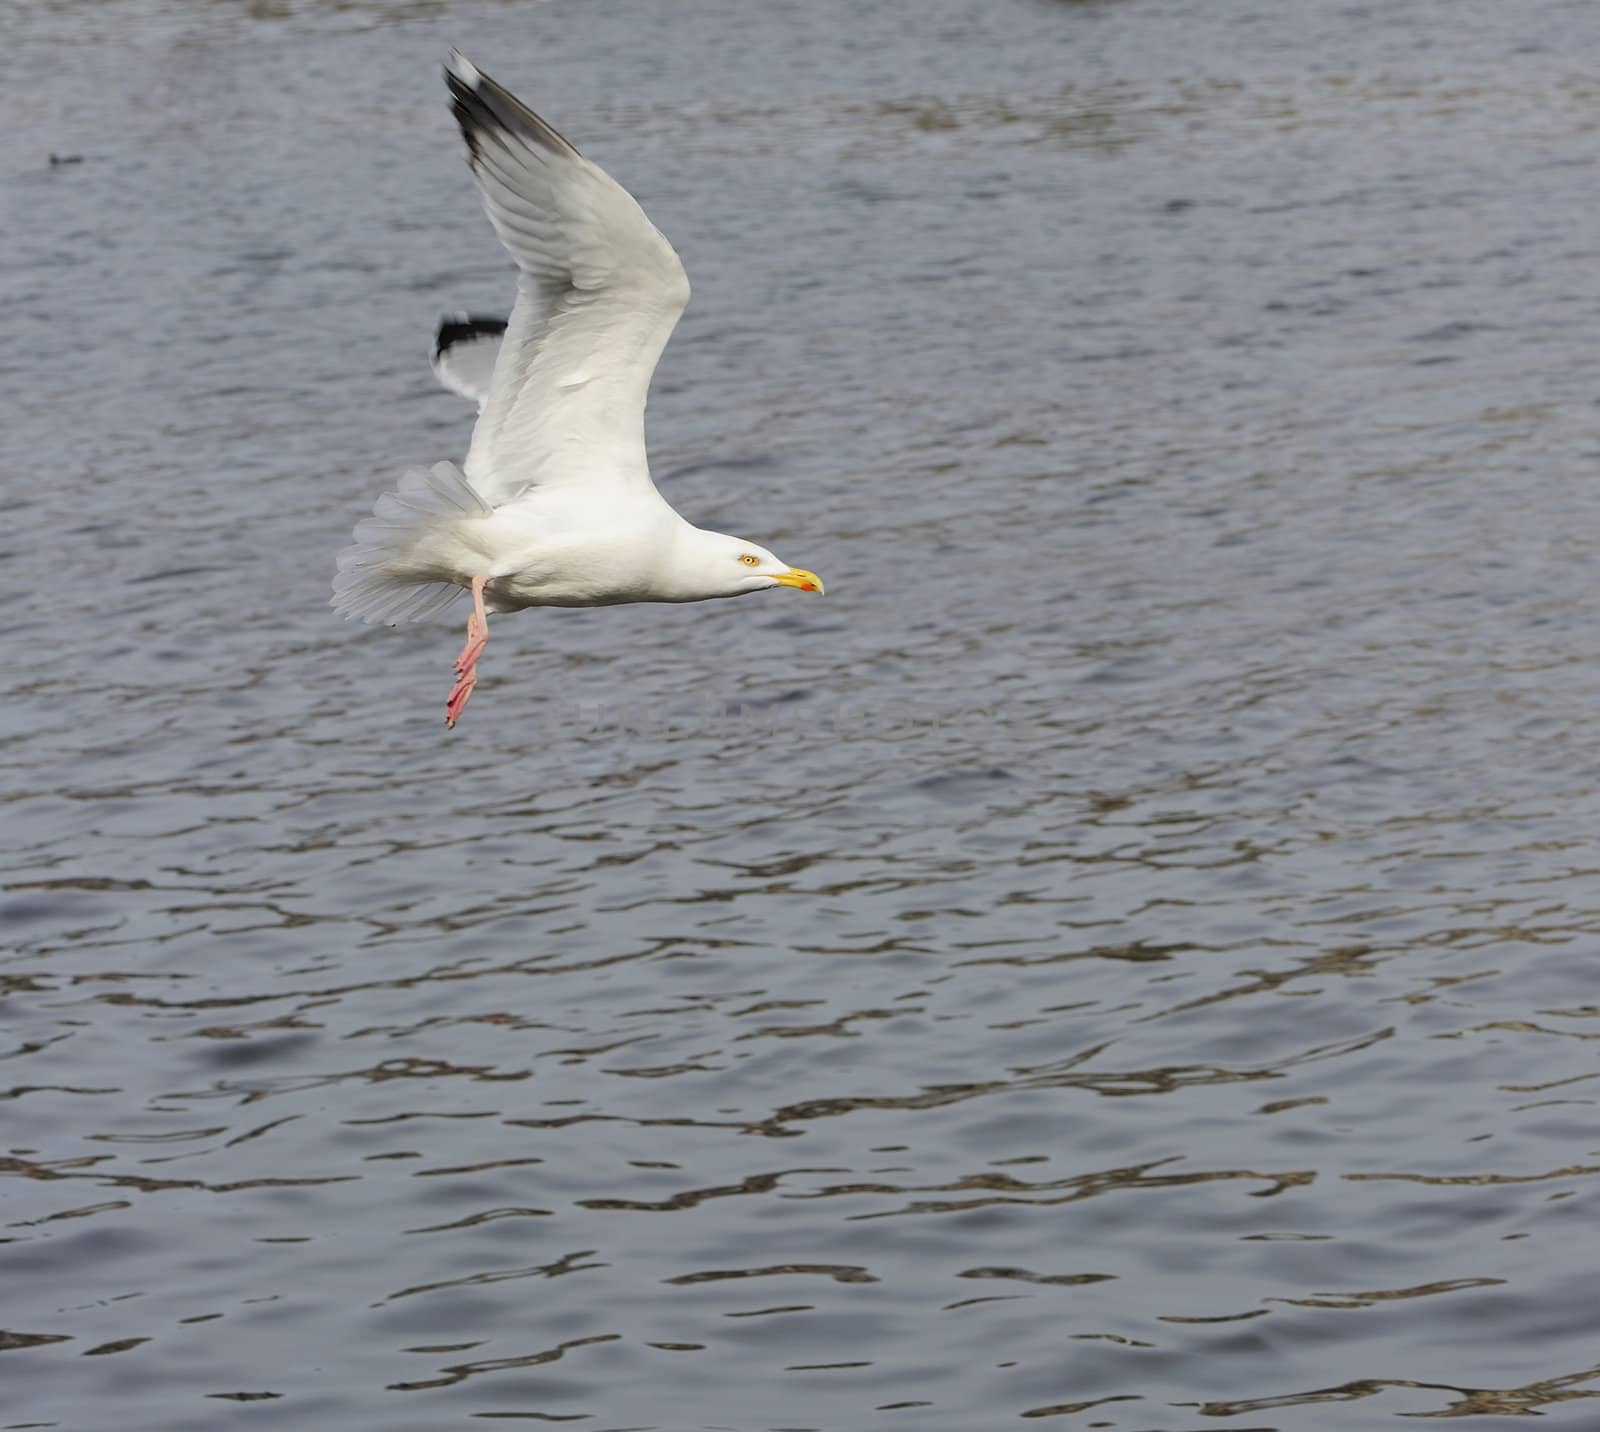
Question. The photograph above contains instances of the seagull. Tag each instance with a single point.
(554, 505)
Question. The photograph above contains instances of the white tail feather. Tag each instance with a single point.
(394, 571)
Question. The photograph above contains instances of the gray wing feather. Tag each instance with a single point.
(598, 295)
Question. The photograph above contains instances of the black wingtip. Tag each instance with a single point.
(470, 112)
(462, 327)
(480, 105)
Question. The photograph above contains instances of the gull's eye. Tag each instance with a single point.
(750, 561)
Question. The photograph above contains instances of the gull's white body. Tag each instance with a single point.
(554, 505)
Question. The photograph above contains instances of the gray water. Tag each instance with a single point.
(1124, 957)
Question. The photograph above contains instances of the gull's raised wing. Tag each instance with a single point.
(598, 295)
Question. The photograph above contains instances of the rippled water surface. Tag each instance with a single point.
(1124, 957)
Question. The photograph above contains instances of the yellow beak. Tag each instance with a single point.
(798, 577)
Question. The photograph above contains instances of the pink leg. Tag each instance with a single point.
(477, 627)
(467, 661)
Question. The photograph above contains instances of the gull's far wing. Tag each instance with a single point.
(464, 350)
(598, 294)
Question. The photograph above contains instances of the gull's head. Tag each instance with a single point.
(732, 566)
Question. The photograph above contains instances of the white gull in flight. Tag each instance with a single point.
(554, 505)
